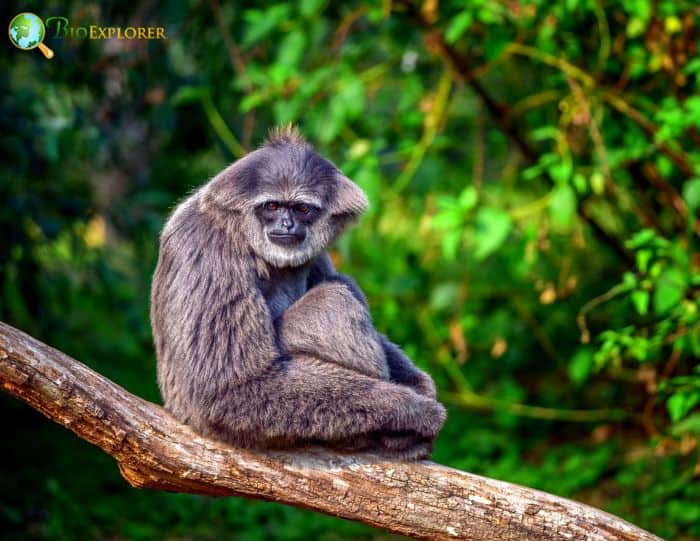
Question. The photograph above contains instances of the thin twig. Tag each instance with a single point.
(431, 124)
(239, 67)
(613, 292)
(480, 402)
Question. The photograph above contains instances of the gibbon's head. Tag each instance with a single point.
(291, 202)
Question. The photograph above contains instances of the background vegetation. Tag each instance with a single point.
(534, 173)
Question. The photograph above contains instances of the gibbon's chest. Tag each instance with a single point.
(284, 288)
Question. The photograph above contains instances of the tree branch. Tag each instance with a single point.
(153, 450)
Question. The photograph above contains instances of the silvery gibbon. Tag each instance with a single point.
(260, 342)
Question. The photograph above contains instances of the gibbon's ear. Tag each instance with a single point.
(234, 187)
(350, 201)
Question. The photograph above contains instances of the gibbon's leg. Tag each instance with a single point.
(329, 323)
(309, 401)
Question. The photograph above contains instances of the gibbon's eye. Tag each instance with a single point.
(303, 209)
(271, 205)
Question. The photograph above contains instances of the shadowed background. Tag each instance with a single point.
(534, 174)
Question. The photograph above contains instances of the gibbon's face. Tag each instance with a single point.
(286, 223)
(287, 228)
(291, 232)
(291, 191)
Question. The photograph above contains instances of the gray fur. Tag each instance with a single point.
(261, 345)
(332, 325)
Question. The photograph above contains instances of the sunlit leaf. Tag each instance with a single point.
(468, 198)
(640, 299)
(581, 365)
(490, 231)
(680, 404)
(670, 289)
(691, 194)
(562, 206)
(458, 26)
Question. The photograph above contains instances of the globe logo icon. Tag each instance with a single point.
(27, 32)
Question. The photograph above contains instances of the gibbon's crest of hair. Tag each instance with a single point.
(283, 135)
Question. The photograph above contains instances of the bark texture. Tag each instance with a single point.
(421, 499)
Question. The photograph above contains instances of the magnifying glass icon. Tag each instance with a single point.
(27, 32)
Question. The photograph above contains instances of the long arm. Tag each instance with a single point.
(330, 324)
(401, 369)
(313, 401)
(211, 325)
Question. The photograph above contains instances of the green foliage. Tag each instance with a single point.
(534, 175)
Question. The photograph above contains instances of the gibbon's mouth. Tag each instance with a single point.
(285, 239)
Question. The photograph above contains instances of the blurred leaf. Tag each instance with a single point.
(562, 206)
(468, 198)
(687, 512)
(669, 290)
(451, 242)
(448, 218)
(691, 194)
(635, 27)
(640, 299)
(458, 26)
(561, 172)
(642, 258)
(189, 94)
(444, 295)
(689, 425)
(490, 231)
(251, 101)
(259, 23)
(292, 49)
(311, 7)
(641, 239)
(581, 365)
(597, 183)
(680, 404)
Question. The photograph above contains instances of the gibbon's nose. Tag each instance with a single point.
(287, 223)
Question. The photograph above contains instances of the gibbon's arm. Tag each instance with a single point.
(401, 368)
(311, 400)
(210, 321)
